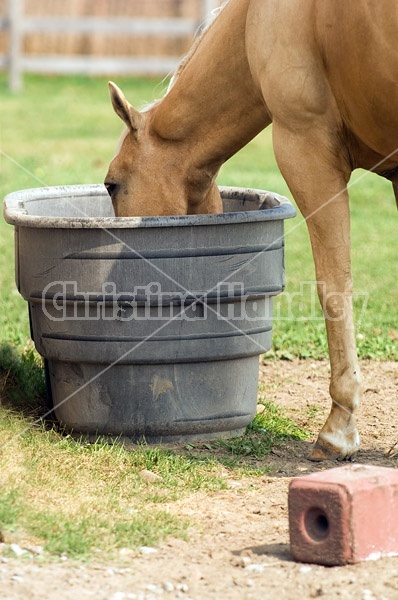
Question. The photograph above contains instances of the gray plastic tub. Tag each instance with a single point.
(151, 327)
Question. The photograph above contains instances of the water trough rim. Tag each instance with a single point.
(16, 214)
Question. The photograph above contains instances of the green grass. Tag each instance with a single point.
(79, 498)
(89, 496)
(76, 497)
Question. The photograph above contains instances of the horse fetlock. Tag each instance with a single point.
(346, 390)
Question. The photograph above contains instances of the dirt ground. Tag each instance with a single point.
(239, 544)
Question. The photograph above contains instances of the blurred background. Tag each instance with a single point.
(98, 37)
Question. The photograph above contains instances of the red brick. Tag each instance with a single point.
(344, 515)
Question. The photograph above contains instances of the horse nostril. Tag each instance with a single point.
(110, 188)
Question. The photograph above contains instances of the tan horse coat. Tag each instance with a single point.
(325, 73)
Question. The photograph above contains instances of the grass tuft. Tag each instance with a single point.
(22, 383)
(269, 429)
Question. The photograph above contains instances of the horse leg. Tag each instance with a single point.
(317, 175)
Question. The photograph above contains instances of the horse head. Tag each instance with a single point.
(152, 173)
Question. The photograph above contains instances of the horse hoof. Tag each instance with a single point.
(322, 452)
(323, 449)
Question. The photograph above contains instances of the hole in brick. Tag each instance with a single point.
(316, 524)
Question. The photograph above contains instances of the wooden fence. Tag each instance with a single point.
(97, 37)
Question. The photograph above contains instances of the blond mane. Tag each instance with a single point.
(202, 30)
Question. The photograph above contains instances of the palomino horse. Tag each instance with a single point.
(326, 75)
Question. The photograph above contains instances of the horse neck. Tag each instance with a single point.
(213, 107)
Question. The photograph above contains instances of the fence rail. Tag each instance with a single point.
(152, 26)
(17, 25)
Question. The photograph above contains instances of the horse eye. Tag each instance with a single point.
(110, 188)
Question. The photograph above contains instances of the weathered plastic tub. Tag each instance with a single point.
(151, 327)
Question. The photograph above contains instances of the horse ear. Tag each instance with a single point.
(129, 115)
